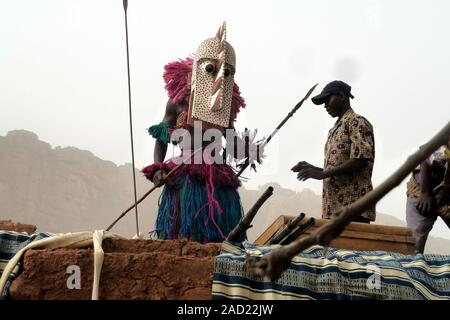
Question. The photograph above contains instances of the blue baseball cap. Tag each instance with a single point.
(333, 87)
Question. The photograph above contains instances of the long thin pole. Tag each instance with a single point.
(290, 114)
(125, 7)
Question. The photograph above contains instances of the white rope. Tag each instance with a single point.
(67, 240)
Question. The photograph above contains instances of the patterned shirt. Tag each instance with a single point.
(413, 188)
(350, 138)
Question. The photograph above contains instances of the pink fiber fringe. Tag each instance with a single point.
(222, 175)
(176, 78)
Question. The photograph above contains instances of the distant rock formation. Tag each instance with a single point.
(64, 189)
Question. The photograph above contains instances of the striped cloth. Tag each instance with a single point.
(11, 243)
(341, 275)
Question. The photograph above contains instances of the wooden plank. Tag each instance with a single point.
(357, 236)
(365, 227)
(371, 245)
(279, 223)
(371, 236)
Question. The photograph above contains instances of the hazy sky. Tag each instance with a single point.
(63, 73)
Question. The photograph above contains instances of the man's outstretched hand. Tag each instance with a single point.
(306, 171)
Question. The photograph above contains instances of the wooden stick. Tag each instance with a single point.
(165, 177)
(286, 230)
(299, 230)
(245, 222)
(275, 263)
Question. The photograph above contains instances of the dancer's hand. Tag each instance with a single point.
(158, 179)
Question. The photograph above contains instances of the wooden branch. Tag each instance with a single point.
(246, 221)
(275, 263)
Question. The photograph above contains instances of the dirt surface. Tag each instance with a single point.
(132, 269)
(9, 225)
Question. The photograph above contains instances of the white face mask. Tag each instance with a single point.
(212, 82)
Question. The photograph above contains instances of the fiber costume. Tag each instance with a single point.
(204, 204)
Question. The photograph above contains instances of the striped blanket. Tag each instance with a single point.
(341, 275)
(11, 243)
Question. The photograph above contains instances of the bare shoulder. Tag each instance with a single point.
(172, 112)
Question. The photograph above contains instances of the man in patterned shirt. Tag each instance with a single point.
(428, 195)
(349, 155)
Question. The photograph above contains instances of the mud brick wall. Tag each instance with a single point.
(9, 225)
(132, 269)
